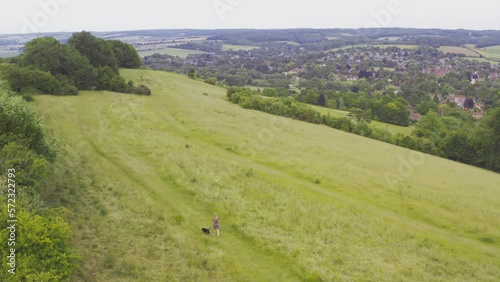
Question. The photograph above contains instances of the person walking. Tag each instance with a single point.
(216, 224)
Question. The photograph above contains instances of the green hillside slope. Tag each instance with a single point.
(297, 202)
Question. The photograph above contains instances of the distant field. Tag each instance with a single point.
(492, 52)
(400, 46)
(183, 53)
(390, 38)
(394, 129)
(227, 47)
(458, 50)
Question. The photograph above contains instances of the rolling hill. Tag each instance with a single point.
(297, 201)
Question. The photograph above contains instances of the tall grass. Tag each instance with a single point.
(157, 168)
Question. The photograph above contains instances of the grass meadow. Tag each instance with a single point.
(297, 201)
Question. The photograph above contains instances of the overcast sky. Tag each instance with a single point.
(114, 15)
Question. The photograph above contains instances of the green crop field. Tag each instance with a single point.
(297, 201)
(383, 46)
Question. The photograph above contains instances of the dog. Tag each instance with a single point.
(206, 231)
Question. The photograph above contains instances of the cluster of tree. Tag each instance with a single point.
(41, 249)
(456, 136)
(85, 62)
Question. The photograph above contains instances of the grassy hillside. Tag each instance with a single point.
(297, 202)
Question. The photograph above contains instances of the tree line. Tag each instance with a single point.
(86, 62)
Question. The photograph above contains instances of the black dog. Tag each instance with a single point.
(206, 231)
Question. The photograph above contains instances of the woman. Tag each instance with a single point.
(216, 224)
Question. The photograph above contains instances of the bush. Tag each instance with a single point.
(211, 81)
(21, 78)
(142, 90)
(67, 90)
(19, 124)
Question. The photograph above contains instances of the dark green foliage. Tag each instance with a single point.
(126, 55)
(67, 90)
(21, 78)
(19, 124)
(98, 51)
(43, 250)
(44, 53)
(78, 69)
(211, 80)
(488, 133)
(110, 81)
(86, 62)
(192, 74)
(141, 90)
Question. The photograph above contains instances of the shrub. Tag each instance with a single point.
(142, 90)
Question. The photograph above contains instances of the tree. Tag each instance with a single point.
(322, 100)
(98, 51)
(44, 53)
(430, 126)
(469, 103)
(126, 55)
(19, 124)
(78, 68)
(192, 73)
(488, 133)
(270, 92)
(21, 78)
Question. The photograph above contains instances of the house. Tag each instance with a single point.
(414, 116)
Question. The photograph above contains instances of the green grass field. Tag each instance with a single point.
(492, 53)
(227, 47)
(394, 129)
(183, 53)
(297, 201)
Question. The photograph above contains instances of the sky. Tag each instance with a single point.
(29, 16)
